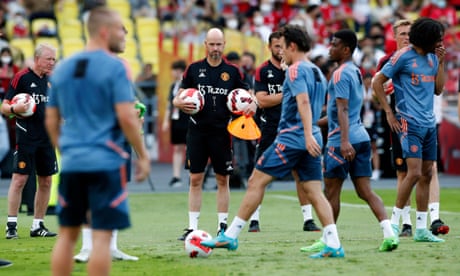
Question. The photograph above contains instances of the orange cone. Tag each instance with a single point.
(244, 128)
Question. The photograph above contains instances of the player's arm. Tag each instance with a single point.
(378, 87)
(267, 100)
(303, 106)
(52, 124)
(440, 75)
(346, 148)
(130, 125)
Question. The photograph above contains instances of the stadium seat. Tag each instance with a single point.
(69, 10)
(123, 7)
(130, 49)
(53, 41)
(26, 45)
(40, 24)
(70, 28)
(70, 46)
(129, 25)
(134, 67)
(147, 27)
(149, 50)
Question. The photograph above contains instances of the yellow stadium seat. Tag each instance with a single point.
(70, 28)
(10, 26)
(26, 45)
(134, 67)
(147, 27)
(129, 25)
(69, 9)
(41, 23)
(122, 7)
(234, 40)
(149, 50)
(71, 45)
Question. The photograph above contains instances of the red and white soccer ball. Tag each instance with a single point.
(24, 98)
(193, 247)
(238, 100)
(192, 95)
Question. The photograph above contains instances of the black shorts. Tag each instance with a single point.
(397, 160)
(42, 158)
(204, 145)
(178, 135)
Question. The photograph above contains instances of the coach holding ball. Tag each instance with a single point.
(207, 136)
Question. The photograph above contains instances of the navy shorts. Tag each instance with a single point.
(204, 145)
(42, 158)
(279, 160)
(103, 193)
(360, 166)
(418, 142)
(397, 159)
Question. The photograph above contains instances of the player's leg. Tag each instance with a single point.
(306, 207)
(86, 245)
(117, 254)
(46, 166)
(21, 172)
(100, 261)
(61, 257)
(197, 160)
(437, 225)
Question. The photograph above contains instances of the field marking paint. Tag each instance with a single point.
(293, 198)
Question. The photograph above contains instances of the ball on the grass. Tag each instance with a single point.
(24, 98)
(192, 95)
(193, 247)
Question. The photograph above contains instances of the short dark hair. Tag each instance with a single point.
(179, 64)
(298, 35)
(348, 38)
(425, 33)
(274, 35)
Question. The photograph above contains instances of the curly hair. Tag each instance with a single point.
(426, 33)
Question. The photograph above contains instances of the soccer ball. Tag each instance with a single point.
(192, 95)
(193, 247)
(24, 98)
(238, 99)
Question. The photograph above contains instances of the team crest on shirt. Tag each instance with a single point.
(399, 161)
(225, 76)
(22, 165)
(413, 148)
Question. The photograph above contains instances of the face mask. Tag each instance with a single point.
(232, 24)
(334, 3)
(18, 19)
(6, 59)
(367, 64)
(258, 20)
(266, 8)
(441, 4)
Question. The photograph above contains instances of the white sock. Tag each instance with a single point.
(36, 223)
(396, 215)
(255, 215)
(221, 218)
(193, 220)
(331, 236)
(386, 227)
(420, 220)
(306, 212)
(434, 211)
(406, 215)
(86, 239)
(235, 228)
(113, 240)
(12, 219)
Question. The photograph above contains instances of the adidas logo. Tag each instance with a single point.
(33, 84)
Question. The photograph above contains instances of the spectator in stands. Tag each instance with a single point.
(20, 27)
(40, 9)
(362, 15)
(336, 15)
(440, 10)
(141, 8)
(409, 5)
(146, 74)
(7, 70)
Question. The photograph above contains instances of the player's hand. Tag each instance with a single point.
(440, 52)
(21, 107)
(250, 109)
(313, 147)
(393, 122)
(186, 107)
(347, 151)
(142, 169)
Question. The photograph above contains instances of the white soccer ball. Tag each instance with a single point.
(238, 100)
(24, 98)
(192, 95)
(193, 247)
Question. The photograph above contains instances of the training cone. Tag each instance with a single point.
(244, 128)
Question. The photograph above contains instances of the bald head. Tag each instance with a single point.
(214, 43)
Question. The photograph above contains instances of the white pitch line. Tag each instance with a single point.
(292, 198)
